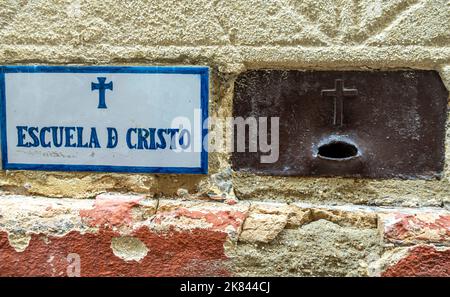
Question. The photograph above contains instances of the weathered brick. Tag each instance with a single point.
(188, 215)
(118, 234)
(416, 227)
(112, 210)
(422, 260)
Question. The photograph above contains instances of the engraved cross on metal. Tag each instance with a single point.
(339, 93)
(101, 87)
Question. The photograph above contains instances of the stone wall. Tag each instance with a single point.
(226, 222)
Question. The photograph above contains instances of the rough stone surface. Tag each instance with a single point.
(129, 248)
(320, 248)
(421, 261)
(264, 222)
(198, 252)
(222, 223)
(162, 237)
(342, 190)
(410, 228)
(343, 215)
(187, 215)
(230, 37)
(112, 210)
(133, 241)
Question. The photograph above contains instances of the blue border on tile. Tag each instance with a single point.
(203, 71)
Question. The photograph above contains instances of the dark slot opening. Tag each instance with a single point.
(338, 150)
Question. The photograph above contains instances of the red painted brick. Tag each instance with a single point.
(196, 252)
(422, 261)
(111, 210)
(426, 227)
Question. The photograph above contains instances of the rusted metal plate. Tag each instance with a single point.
(380, 124)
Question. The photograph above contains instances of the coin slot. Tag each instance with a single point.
(338, 150)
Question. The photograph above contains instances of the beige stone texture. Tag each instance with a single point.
(129, 248)
(265, 222)
(320, 248)
(230, 37)
(211, 215)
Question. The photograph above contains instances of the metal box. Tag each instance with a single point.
(376, 124)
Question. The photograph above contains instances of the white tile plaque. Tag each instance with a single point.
(109, 119)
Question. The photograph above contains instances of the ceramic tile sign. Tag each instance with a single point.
(108, 119)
